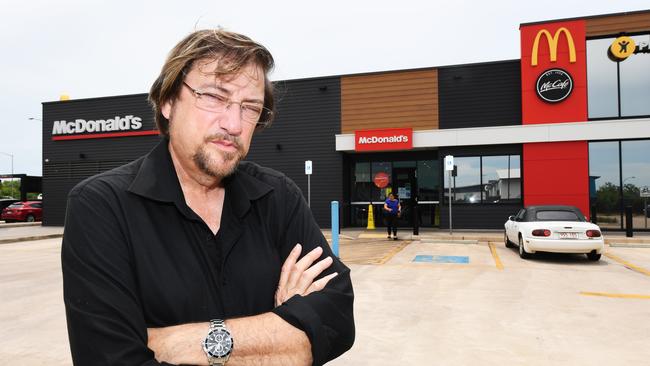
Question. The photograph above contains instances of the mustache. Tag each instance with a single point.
(235, 140)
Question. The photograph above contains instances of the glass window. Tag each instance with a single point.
(602, 80)
(428, 180)
(514, 179)
(604, 181)
(501, 179)
(606, 79)
(635, 81)
(466, 186)
(635, 156)
(520, 215)
(362, 185)
(404, 164)
(557, 216)
(495, 169)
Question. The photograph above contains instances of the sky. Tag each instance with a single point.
(101, 48)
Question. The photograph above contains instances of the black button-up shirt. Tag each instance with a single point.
(136, 256)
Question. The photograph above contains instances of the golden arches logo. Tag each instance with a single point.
(552, 44)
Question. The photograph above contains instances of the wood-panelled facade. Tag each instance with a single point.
(390, 100)
(615, 24)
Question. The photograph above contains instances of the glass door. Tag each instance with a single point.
(405, 186)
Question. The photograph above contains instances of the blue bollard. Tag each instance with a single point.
(335, 228)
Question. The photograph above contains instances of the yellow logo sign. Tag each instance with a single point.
(622, 47)
(552, 44)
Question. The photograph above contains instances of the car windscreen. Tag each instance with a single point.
(557, 215)
(15, 205)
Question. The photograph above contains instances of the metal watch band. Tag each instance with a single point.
(217, 324)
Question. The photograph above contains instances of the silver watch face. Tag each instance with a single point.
(218, 343)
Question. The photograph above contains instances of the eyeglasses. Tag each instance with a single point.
(250, 112)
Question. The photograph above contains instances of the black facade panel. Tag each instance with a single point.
(68, 162)
(480, 95)
(309, 115)
(478, 215)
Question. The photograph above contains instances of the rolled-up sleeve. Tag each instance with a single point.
(104, 317)
(326, 316)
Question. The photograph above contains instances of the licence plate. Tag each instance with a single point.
(568, 235)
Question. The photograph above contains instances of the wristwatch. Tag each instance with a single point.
(218, 343)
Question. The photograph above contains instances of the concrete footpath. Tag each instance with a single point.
(11, 233)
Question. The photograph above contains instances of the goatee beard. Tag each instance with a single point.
(230, 159)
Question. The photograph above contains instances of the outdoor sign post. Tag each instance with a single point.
(449, 167)
(308, 172)
(645, 193)
(335, 228)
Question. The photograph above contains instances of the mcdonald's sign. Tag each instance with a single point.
(554, 72)
(552, 45)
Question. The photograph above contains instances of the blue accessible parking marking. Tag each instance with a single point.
(441, 259)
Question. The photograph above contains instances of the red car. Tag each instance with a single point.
(29, 211)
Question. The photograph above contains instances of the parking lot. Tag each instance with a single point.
(419, 301)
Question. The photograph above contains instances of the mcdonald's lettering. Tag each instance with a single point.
(553, 43)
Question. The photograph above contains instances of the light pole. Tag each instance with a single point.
(12, 171)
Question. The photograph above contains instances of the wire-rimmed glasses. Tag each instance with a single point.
(251, 112)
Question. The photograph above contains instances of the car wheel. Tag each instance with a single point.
(30, 218)
(508, 242)
(522, 251)
(593, 256)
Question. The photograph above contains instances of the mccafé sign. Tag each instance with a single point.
(99, 128)
(384, 139)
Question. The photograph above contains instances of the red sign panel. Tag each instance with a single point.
(381, 180)
(554, 72)
(384, 139)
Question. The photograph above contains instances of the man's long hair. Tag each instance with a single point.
(232, 52)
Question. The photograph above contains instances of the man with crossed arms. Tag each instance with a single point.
(189, 255)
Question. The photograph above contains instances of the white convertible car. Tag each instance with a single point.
(559, 229)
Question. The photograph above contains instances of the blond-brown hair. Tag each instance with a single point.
(234, 51)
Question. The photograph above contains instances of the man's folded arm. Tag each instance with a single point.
(326, 316)
(105, 321)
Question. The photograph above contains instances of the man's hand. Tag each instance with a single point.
(297, 278)
(179, 344)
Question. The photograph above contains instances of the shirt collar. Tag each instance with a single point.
(156, 179)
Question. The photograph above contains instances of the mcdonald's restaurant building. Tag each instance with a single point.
(567, 123)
